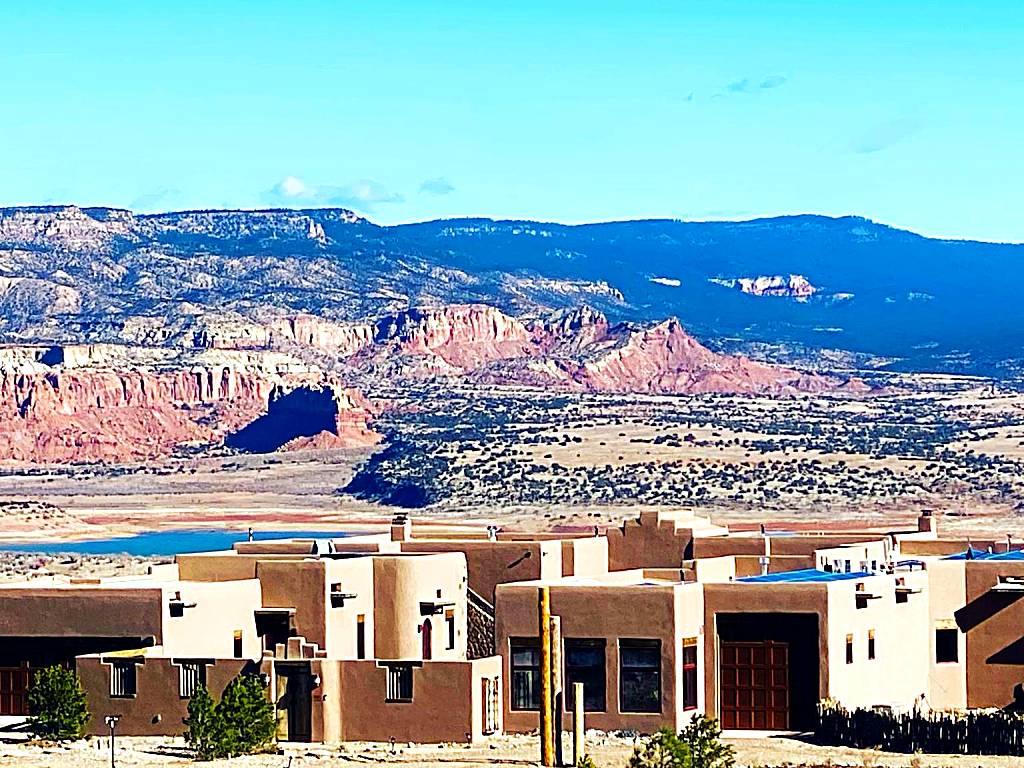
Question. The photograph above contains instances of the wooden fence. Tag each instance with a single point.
(984, 732)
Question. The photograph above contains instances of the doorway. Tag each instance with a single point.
(428, 641)
(296, 701)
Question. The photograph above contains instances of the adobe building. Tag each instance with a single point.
(665, 617)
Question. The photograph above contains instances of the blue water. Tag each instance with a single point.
(165, 542)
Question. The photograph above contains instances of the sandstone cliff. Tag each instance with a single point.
(108, 415)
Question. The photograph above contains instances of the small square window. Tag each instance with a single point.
(191, 675)
(399, 683)
(947, 646)
(123, 682)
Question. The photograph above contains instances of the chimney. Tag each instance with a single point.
(401, 528)
(765, 559)
(926, 522)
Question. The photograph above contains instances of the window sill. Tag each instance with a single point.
(398, 701)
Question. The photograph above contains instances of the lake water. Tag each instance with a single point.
(165, 542)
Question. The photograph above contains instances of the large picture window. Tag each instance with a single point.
(525, 672)
(584, 663)
(640, 675)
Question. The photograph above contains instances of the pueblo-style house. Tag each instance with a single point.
(430, 633)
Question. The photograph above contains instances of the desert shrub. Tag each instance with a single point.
(703, 739)
(586, 761)
(57, 705)
(242, 723)
(662, 750)
(698, 745)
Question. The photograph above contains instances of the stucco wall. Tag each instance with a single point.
(947, 591)
(609, 612)
(446, 706)
(993, 621)
(82, 610)
(401, 584)
(214, 612)
(157, 709)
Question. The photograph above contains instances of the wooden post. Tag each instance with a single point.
(547, 746)
(556, 687)
(578, 727)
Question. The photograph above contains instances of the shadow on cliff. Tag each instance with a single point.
(302, 412)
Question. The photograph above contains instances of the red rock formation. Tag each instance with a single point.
(90, 415)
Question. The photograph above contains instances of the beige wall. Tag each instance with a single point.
(302, 585)
(208, 627)
(585, 557)
(447, 703)
(610, 612)
(947, 590)
(401, 584)
(157, 709)
(648, 542)
(355, 576)
(491, 563)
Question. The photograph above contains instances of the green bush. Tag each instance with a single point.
(586, 762)
(662, 750)
(703, 739)
(57, 705)
(698, 745)
(242, 723)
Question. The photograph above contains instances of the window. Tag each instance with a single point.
(122, 679)
(524, 653)
(584, 663)
(361, 636)
(689, 673)
(399, 682)
(947, 646)
(191, 675)
(640, 675)
(238, 644)
(901, 592)
(449, 620)
(491, 704)
(871, 644)
(849, 649)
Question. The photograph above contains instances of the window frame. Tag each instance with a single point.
(399, 684)
(449, 621)
(524, 644)
(691, 681)
(872, 651)
(639, 644)
(849, 649)
(128, 679)
(596, 693)
(199, 665)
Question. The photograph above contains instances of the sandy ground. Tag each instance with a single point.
(607, 751)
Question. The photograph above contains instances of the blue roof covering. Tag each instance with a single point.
(803, 576)
(977, 554)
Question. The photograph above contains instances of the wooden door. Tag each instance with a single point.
(428, 641)
(754, 685)
(14, 683)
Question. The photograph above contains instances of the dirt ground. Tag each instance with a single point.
(608, 752)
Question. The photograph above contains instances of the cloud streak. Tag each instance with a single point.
(437, 186)
(363, 194)
(752, 85)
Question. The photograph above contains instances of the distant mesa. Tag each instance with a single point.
(790, 286)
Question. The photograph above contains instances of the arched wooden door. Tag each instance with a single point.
(428, 644)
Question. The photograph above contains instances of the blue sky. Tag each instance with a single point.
(910, 113)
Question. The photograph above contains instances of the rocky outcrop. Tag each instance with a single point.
(791, 286)
(576, 349)
(108, 415)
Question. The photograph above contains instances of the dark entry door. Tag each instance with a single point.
(428, 640)
(754, 685)
(298, 700)
(14, 682)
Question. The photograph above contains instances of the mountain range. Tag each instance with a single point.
(889, 296)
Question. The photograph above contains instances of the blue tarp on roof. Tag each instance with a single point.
(977, 554)
(803, 576)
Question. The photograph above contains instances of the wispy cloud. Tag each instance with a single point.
(437, 186)
(884, 135)
(753, 85)
(362, 194)
(772, 81)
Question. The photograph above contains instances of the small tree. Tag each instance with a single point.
(203, 732)
(57, 705)
(703, 740)
(662, 750)
(247, 716)
(242, 723)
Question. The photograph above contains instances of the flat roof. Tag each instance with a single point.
(977, 554)
(803, 576)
